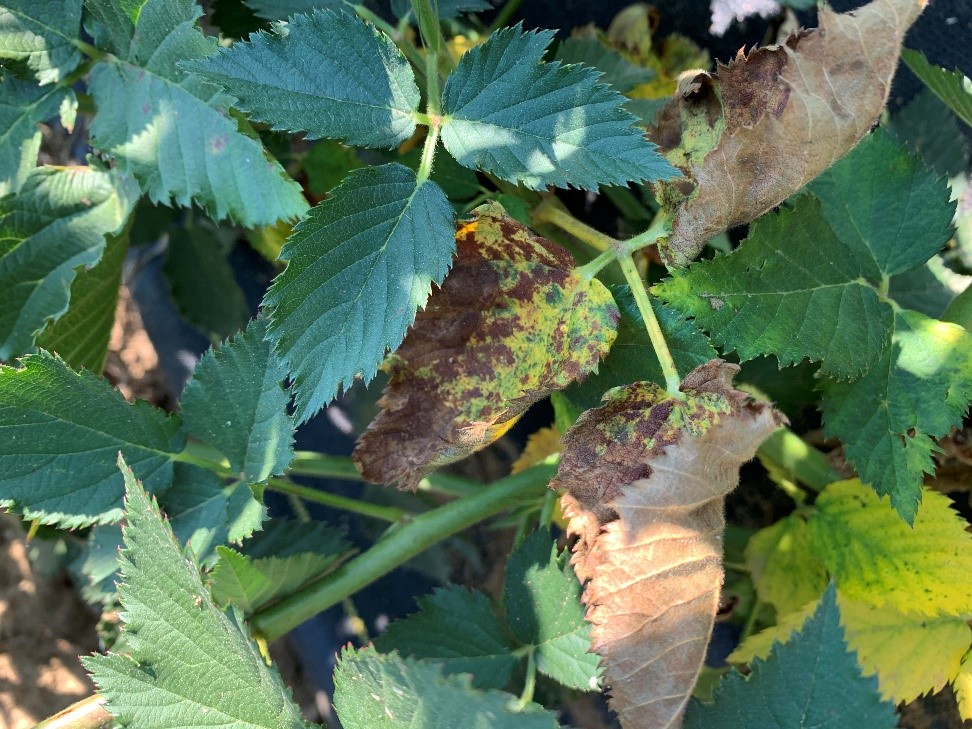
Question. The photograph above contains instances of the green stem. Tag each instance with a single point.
(410, 51)
(89, 50)
(89, 713)
(798, 459)
(547, 511)
(593, 267)
(546, 212)
(529, 683)
(396, 547)
(504, 15)
(428, 152)
(751, 620)
(345, 503)
(659, 229)
(640, 294)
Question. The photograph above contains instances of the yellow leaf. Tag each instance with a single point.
(545, 442)
(963, 689)
(759, 644)
(786, 572)
(878, 559)
(911, 654)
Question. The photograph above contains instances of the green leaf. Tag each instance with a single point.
(456, 181)
(327, 74)
(41, 34)
(783, 566)
(54, 225)
(23, 105)
(283, 9)
(632, 357)
(884, 204)
(192, 665)
(811, 681)
(374, 691)
(457, 628)
(932, 130)
(275, 562)
(952, 87)
(236, 403)
(543, 607)
(327, 164)
(81, 336)
(360, 266)
(928, 289)
(757, 300)
(617, 71)
(98, 564)
(202, 158)
(510, 113)
(62, 431)
(195, 267)
(879, 560)
(889, 419)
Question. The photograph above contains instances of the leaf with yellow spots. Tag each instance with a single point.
(646, 477)
(511, 323)
(786, 572)
(757, 130)
(878, 559)
(545, 442)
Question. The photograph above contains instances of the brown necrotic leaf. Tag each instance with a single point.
(646, 476)
(511, 323)
(757, 130)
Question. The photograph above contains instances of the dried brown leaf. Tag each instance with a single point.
(757, 130)
(511, 323)
(646, 476)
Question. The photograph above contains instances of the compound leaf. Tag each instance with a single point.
(786, 572)
(81, 336)
(877, 559)
(510, 113)
(236, 403)
(275, 562)
(62, 433)
(192, 665)
(23, 105)
(457, 628)
(41, 34)
(204, 158)
(329, 74)
(812, 681)
(918, 391)
(55, 224)
(952, 87)
(359, 267)
(374, 690)
(760, 128)
(646, 476)
(542, 601)
(511, 322)
(632, 357)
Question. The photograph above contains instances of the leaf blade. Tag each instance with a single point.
(42, 35)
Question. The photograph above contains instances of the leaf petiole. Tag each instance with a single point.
(530, 682)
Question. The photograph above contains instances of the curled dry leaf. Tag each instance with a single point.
(646, 476)
(511, 323)
(757, 130)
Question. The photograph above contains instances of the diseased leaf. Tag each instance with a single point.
(617, 71)
(918, 391)
(539, 446)
(54, 225)
(195, 267)
(812, 681)
(81, 336)
(877, 559)
(510, 113)
(329, 74)
(177, 635)
(41, 34)
(542, 601)
(632, 357)
(373, 690)
(275, 562)
(358, 268)
(646, 476)
(23, 105)
(511, 323)
(784, 569)
(61, 433)
(204, 158)
(457, 628)
(757, 130)
(952, 87)
(236, 403)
